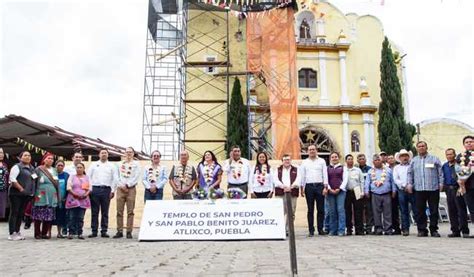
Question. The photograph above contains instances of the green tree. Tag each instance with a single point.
(237, 129)
(394, 132)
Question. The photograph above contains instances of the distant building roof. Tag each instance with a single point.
(448, 121)
(19, 134)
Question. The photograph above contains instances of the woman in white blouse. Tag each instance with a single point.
(261, 181)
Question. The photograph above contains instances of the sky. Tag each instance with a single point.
(79, 64)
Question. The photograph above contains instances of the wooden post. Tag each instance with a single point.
(291, 234)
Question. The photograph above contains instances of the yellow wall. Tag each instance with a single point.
(365, 35)
(207, 121)
(441, 134)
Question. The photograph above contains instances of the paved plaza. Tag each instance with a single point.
(317, 256)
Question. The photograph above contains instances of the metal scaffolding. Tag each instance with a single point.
(259, 118)
(188, 56)
(178, 70)
(165, 77)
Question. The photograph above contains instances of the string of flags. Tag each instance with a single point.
(31, 147)
(246, 8)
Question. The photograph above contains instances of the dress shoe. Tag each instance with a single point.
(129, 235)
(435, 234)
(311, 234)
(378, 233)
(405, 233)
(80, 237)
(454, 235)
(389, 233)
(118, 235)
(360, 234)
(422, 234)
(105, 235)
(93, 235)
(322, 233)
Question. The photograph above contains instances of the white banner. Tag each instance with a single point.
(208, 220)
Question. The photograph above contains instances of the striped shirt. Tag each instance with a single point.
(425, 173)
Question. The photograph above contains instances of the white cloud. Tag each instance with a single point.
(437, 36)
(77, 65)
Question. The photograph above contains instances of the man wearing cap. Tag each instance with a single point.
(426, 177)
(405, 193)
(456, 206)
(384, 157)
(380, 183)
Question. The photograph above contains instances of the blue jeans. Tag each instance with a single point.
(337, 213)
(405, 199)
(158, 195)
(76, 220)
(326, 215)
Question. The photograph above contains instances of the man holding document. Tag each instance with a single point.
(354, 178)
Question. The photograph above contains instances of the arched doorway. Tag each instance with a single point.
(318, 136)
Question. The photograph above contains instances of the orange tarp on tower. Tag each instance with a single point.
(271, 52)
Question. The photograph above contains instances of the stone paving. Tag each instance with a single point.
(317, 256)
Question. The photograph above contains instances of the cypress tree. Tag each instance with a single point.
(394, 132)
(237, 130)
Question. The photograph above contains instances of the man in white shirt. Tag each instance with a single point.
(354, 180)
(314, 180)
(405, 192)
(286, 179)
(237, 169)
(103, 176)
(129, 173)
(76, 159)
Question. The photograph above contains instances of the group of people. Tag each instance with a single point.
(374, 199)
(350, 198)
